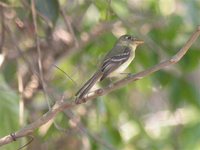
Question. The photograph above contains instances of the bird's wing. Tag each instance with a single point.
(113, 62)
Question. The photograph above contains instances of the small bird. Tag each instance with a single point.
(114, 63)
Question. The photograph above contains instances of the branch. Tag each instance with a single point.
(2, 4)
(94, 33)
(41, 74)
(142, 74)
(58, 107)
(62, 105)
(2, 29)
(82, 129)
(68, 23)
(2, 34)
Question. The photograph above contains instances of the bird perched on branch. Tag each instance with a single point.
(114, 63)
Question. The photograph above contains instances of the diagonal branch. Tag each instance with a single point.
(34, 15)
(142, 74)
(62, 105)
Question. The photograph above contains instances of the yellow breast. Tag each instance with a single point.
(124, 65)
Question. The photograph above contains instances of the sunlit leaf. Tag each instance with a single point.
(9, 71)
(49, 9)
(8, 112)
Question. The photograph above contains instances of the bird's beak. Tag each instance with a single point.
(138, 42)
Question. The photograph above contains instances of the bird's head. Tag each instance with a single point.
(129, 40)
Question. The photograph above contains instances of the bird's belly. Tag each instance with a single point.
(122, 67)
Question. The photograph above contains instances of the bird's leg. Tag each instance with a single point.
(126, 73)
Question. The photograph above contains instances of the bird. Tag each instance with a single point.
(114, 63)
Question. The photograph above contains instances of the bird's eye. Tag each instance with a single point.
(128, 37)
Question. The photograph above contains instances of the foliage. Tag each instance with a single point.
(160, 111)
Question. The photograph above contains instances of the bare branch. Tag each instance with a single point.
(92, 35)
(62, 105)
(21, 100)
(39, 52)
(19, 50)
(2, 29)
(2, 38)
(149, 71)
(69, 26)
(84, 130)
(58, 107)
(2, 4)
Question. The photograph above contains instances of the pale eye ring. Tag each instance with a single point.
(128, 37)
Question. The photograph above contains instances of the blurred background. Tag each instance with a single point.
(160, 111)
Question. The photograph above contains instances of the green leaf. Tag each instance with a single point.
(146, 58)
(9, 71)
(193, 11)
(112, 135)
(173, 27)
(163, 77)
(49, 9)
(167, 34)
(120, 8)
(190, 136)
(182, 90)
(190, 61)
(103, 7)
(91, 16)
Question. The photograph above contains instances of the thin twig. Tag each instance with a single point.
(29, 142)
(84, 130)
(21, 101)
(2, 4)
(2, 53)
(21, 98)
(62, 105)
(68, 76)
(92, 35)
(58, 107)
(20, 51)
(2, 29)
(108, 9)
(26, 4)
(69, 26)
(39, 52)
(149, 71)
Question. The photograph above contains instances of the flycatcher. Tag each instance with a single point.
(114, 63)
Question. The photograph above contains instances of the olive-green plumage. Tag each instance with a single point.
(114, 63)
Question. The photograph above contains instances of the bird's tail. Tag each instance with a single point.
(87, 86)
